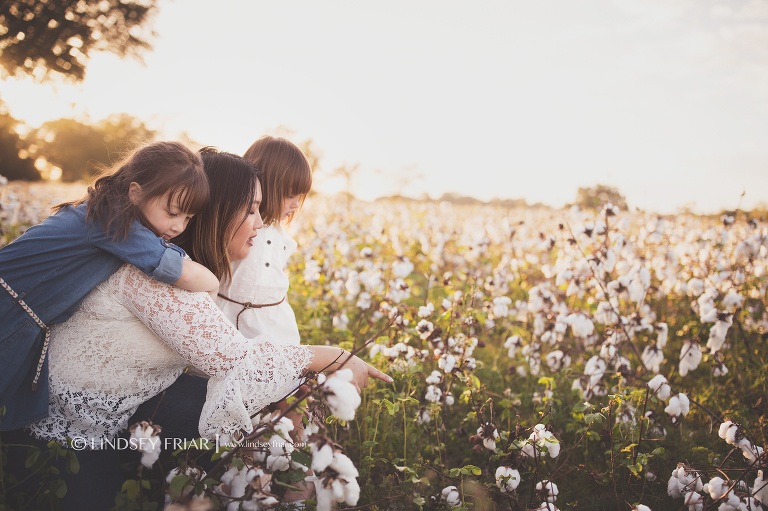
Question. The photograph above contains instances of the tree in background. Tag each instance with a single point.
(81, 150)
(37, 38)
(15, 161)
(598, 196)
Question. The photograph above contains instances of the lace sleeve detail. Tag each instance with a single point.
(246, 374)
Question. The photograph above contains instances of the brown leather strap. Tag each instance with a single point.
(249, 305)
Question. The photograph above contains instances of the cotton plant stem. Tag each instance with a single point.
(613, 309)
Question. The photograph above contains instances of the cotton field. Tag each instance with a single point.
(543, 359)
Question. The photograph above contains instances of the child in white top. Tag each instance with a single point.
(255, 297)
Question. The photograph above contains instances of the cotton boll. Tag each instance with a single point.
(321, 457)
(512, 477)
(716, 487)
(433, 394)
(341, 395)
(690, 357)
(512, 344)
(549, 488)
(760, 488)
(695, 286)
(652, 358)
(451, 496)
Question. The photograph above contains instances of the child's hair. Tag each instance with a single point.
(285, 172)
(159, 168)
(233, 189)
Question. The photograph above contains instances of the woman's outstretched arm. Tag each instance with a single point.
(330, 358)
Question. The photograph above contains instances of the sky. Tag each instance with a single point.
(667, 100)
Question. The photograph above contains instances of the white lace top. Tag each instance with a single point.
(132, 337)
(260, 279)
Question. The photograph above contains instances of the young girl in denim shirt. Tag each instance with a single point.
(128, 215)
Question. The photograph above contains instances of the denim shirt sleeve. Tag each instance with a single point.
(154, 256)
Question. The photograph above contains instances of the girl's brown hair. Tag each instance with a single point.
(159, 168)
(285, 172)
(233, 183)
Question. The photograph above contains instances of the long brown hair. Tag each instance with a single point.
(285, 172)
(233, 183)
(160, 168)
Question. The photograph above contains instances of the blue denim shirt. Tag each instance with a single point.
(52, 267)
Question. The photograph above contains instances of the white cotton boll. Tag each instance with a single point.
(146, 438)
(563, 277)
(426, 310)
(673, 408)
(760, 488)
(716, 487)
(235, 479)
(511, 483)
(512, 344)
(636, 291)
(422, 416)
(605, 314)
(351, 492)
(581, 325)
(546, 506)
(684, 403)
(451, 496)
(652, 358)
(322, 457)
(695, 286)
(595, 369)
(501, 306)
(433, 394)
(673, 486)
(447, 363)
(278, 463)
(341, 395)
(694, 501)
(402, 268)
(728, 432)
(550, 488)
(660, 387)
(343, 465)
(650, 476)
(434, 378)
(732, 300)
(641, 507)
(446, 304)
(690, 357)
(340, 322)
(364, 301)
(661, 340)
(449, 399)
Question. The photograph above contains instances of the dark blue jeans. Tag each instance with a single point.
(100, 477)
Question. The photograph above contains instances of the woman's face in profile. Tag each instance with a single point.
(242, 241)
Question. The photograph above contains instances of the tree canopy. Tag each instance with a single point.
(40, 37)
(81, 150)
(16, 161)
(599, 195)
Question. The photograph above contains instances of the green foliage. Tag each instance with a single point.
(59, 36)
(82, 150)
(11, 146)
(598, 196)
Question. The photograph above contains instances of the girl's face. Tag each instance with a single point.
(290, 205)
(242, 241)
(168, 221)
